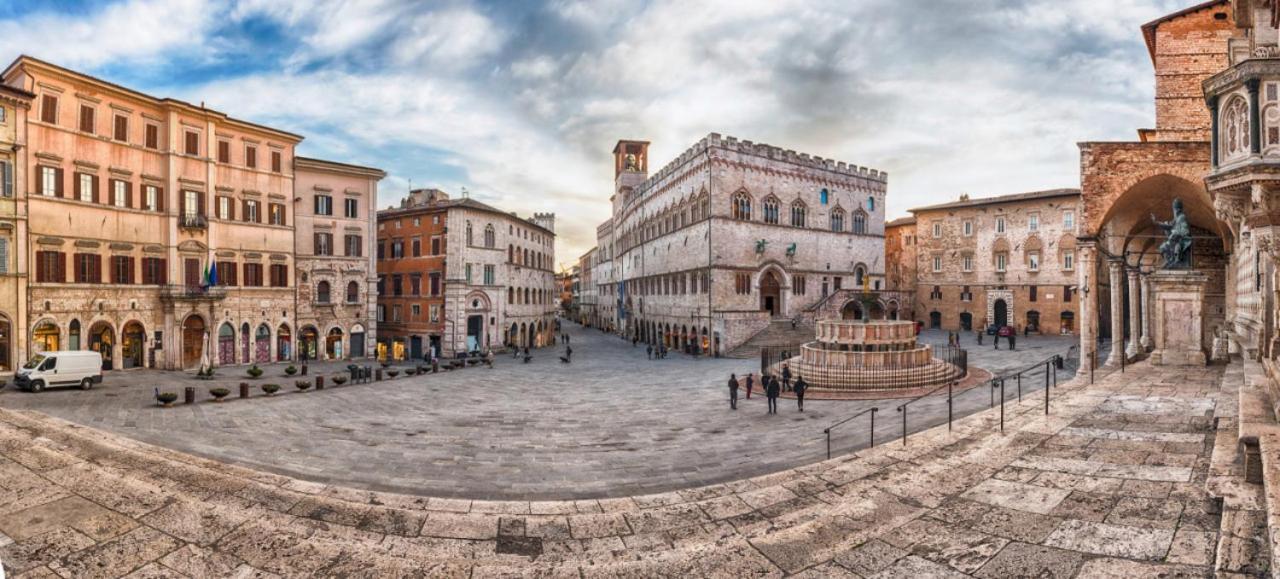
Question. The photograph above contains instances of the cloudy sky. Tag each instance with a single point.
(521, 101)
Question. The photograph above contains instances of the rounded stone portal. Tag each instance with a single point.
(878, 355)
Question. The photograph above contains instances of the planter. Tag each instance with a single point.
(339, 380)
(167, 399)
(254, 371)
(291, 370)
(219, 393)
(393, 373)
(271, 389)
(302, 385)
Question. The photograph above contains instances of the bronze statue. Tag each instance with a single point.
(760, 243)
(631, 163)
(1176, 248)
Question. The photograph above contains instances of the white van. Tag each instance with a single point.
(81, 368)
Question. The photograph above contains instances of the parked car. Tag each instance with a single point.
(81, 368)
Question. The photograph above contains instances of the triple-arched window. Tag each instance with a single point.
(798, 214)
(490, 238)
(770, 209)
(837, 220)
(859, 222)
(742, 206)
(1235, 127)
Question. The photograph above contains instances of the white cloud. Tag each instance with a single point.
(140, 30)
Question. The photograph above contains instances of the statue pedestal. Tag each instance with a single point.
(1178, 314)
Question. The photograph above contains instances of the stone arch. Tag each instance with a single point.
(262, 344)
(284, 342)
(194, 328)
(133, 344)
(46, 336)
(226, 347)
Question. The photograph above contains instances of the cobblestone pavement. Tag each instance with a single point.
(1109, 484)
(612, 423)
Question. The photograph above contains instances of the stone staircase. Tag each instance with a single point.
(1244, 473)
(778, 333)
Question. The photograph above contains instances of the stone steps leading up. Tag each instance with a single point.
(777, 333)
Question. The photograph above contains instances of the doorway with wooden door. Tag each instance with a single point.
(193, 330)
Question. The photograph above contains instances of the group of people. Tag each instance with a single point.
(656, 352)
(773, 388)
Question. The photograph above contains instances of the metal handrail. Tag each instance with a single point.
(873, 410)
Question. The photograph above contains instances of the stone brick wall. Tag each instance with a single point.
(1188, 49)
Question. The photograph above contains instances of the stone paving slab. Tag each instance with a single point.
(970, 502)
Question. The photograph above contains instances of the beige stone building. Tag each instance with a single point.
(14, 106)
(730, 237)
(900, 264)
(335, 209)
(161, 233)
(1006, 260)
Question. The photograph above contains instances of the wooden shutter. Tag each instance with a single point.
(164, 271)
(160, 199)
(49, 109)
(57, 182)
(200, 202)
(93, 186)
(61, 263)
(276, 161)
(244, 209)
(128, 194)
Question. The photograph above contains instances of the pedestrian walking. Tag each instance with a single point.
(488, 358)
(996, 339)
(772, 390)
(751, 382)
(979, 333)
(786, 378)
(733, 392)
(648, 351)
(801, 386)
(568, 352)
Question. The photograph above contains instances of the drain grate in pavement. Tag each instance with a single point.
(530, 547)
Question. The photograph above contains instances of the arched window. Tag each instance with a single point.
(1235, 127)
(511, 253)
(771, 210)
(837, 220)
(823, 196)
(742, 206)
(859, 222)
(322, 292)
(859, 276)
(353, 292)
(490, 238)
(871, 203)
(1271, 120)
(469, 238)
(798, 214)
(511, 295)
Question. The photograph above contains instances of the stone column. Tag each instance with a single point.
(1117, 311)
(1135, 317)
(1087, 282)
(1145, 341)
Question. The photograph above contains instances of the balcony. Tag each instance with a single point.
(195, 221)
(192, 293)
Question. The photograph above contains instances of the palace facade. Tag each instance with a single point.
(1006, 260)
(457, 275)
(728, 238)
(160, 233)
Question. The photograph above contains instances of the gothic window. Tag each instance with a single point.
(742, 206)
(859, 222)
(469, 233)
(837, 220)
(798, 214)
(1235, 129)
(771, 210)
(489, 237)
(1271, 121)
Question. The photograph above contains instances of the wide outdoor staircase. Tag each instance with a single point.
(777, 333)
(1244, 472)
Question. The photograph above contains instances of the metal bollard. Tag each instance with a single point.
(1019, 388)
(319, 382)
(1046, 389)
(377, 375)
(304, 368)
(950, 403)
(1002, 402)
(244, 389)
(189, 395)
(873, 426)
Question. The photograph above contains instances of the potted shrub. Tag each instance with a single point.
(271, 389)
(205, 373)
(219, 393)
(291, 370)
(410, 371)
(255, 371)
(167, 399)
(339, 380)
(393, 373)
(302, 385)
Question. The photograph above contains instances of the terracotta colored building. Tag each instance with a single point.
(411, 254)
(900, 264)
(14, 105)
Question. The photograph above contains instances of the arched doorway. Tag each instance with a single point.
(262, 344)
(475, 332)
(771, 293)
(44, 338)
(193, 331)
(893, 310)
(851, 311)
(357, 341)
(245, 343)
(308, 343)
(1000, 316)
(513, 336)
(284, 343)
(6, 345)
(226, 344)
(1067, 322)
(1033, 322)
(966, 321)
(877, 311)
(935, 320)
(102, 339)
(333, 344)
(132, 345)
(73, 335)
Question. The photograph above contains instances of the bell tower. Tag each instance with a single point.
(630, 165)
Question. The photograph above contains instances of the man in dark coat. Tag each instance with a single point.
(751, 384)
(772, 390)
(786, 378)
(733, 392)
(801, 386)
